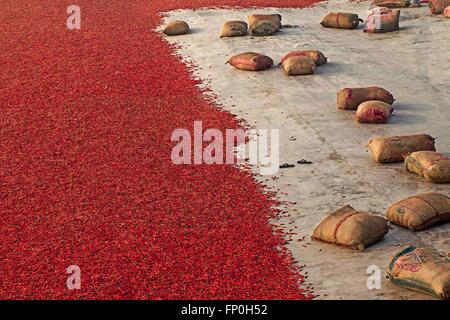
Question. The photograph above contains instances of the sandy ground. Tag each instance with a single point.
(413, 63)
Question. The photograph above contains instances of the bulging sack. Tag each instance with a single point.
(421, 211)
(234, 29)
(421, 270)
(382, 20)
(351, 98)
(264, 28)
(438, 6)
(350, 228)
(299, 65)
(392, 3)
(341, 20)
(396, 148)
(251, 61)
(374, 112)
(254, 18)
(433, 166)
(447, 12)
(317, 56)
(176, 28)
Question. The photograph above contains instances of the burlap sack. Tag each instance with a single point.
(392, 3)
(396, 148)
(374, 111)
(421, 211)
(299, 65)
(447, 12)
(379, 21)
(421, 270)
(318, 57)
(251, 61)
(350, 228)
(438, 6)
(433, 166)
(234, 29)
(264, 28)
(341, 20)
(254, 18)
(351, 98)
(176, 28)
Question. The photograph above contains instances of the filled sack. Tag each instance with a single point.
(251, 61)
(433, 166)
(374, 111)
(254, 18)
(234, 29)
(299, 65)
(341, 20)
(438, 6)
(421, 211)
(382, 20)
(351, 98)
(264, 28)
(396, 148)
(447, 12)
(317, 56)
(350, 228)
(392, 3)
(176, 28)
(422, 270)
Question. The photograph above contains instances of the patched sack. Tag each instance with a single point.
(341, 20)
(234, 29)
(396, 148)
(422, 270)
(176, 28)
(420, 211)
(382, 20)
(433, 166)
(299, 65)
(374, 112)
(318, 57)
(251, 61)
(350, 228)
(351, 98)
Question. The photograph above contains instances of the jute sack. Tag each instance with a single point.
(379, 21)
(251, 61)
(433, 166)
(447, 12)
(350, 228)
(374, 111)
(421, 211)
(176, 28)
(264, 28)
(318, 57)
(421, 270)
(351, 98)
(254, 18)
(234, 29)
(299, 65)
(396, 148)
(341, 20)
(438, 6)
(392, 3)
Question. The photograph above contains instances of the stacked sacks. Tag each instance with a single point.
(421, 211)
(396, 148)
(350, 228)
(341, 20)
(382, 20)
(438, 6)
(351, 98)
(433, 166)
(422, 270)
(251, 61)
(374, 111)
(299, 65)
(176, 28)
(234, 29)
(317, 56)
(264, 24)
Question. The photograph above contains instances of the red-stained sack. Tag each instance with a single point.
(317, 56)
(374, 112)
(438, 6)
(382, 20)
(447, 12)
(251, 61)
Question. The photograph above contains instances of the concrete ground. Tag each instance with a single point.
(412, 63)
